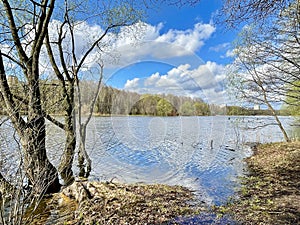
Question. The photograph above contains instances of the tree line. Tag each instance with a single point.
(121, 102)
(113, 101)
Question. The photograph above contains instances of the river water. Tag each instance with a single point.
(202, 153)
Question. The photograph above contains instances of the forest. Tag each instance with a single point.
(113, 101)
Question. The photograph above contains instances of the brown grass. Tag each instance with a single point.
(270, 194)
(116, 203)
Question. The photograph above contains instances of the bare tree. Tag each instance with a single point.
(84, 161)
(23, 41)
(267, 67)
(236, 12)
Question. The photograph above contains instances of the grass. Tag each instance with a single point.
(270, 193)
(116, 203)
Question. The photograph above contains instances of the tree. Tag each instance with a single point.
(22, 43)
(69, 65)
(236, 12)
(25, 31)
(201, 109)
(267, 64)
(83, 157)
(165, 108)
(187, 109)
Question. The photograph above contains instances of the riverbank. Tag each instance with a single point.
(270, 193)
(86, 202)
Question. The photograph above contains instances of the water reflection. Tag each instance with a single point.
(202, 153)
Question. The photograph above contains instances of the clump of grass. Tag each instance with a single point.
(270, 194)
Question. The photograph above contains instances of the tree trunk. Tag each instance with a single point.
(66, 163)
(84, 170)
(285, 135)
(41, 173)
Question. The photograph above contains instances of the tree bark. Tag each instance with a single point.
(39, 170)
(66, 163)
(84, 170)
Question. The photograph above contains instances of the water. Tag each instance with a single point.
(202, 153)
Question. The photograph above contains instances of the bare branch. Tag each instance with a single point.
(14, 32)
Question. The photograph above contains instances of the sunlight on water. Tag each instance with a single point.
(203, 153)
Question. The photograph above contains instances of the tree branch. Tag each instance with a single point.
(14, 32)
(46, 115)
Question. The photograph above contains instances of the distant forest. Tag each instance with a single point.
(121, 102)
(112, 101)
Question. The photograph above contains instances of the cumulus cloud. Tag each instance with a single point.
(191, 39)
(152, 79)
(133, 43)
(131, 84)
(153, 44)
(205, 81)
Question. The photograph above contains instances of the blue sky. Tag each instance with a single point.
(185, 17)
(196, 70)
(176, 50)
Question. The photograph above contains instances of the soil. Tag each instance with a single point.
(270, 193)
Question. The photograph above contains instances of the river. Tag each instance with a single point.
(202, 153)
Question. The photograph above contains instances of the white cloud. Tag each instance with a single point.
(191, 39)
(205, 81)
(152, 43)
(220, 47)
(133, 43)
(131, 84)
(152, 79)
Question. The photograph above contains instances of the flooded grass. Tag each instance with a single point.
(270, 194)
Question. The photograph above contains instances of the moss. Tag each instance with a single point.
(270, 194)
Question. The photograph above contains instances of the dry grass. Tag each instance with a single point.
(115, 203)
(270, 194)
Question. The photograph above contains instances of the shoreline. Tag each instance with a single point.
(270, 192)
(91, 202)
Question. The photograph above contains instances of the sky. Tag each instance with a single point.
(173, 50)
(185, 52)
